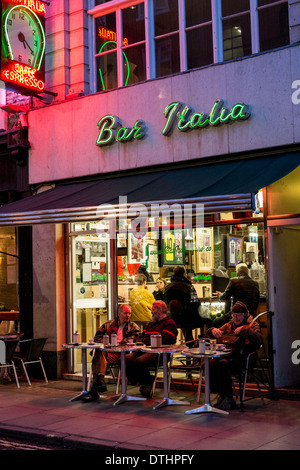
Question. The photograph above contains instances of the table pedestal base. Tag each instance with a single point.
(206, 408)
(168, 401)
(124, 397)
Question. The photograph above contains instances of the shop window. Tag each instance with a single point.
(273, 24)
(236, 29)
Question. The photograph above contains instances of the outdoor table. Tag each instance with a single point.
(120, 349)
(165, 350)
(194, 352)
(123, 350)
(83, 347)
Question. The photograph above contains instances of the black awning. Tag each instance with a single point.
(225, 186)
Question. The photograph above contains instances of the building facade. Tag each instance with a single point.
(168, 135)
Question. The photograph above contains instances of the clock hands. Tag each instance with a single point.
(22, 39)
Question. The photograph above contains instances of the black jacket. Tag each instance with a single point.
(243, 289)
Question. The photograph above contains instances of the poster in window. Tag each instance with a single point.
(172, 247)
(234, 250)
(153, 258)
(204, 250)
(136, 249)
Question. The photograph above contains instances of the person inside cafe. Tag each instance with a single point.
(159, 292)
(142, 270)
(124, 329)
(242, 288)
(183, 303)
(138, 362)
(141, 301)
(242, 336)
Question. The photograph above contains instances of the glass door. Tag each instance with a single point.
(90, 269)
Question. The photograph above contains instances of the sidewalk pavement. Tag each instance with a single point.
(44, 412)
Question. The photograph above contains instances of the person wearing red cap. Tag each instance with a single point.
(240, 330)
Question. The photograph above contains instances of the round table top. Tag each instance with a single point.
(168, 348)
(194, 352)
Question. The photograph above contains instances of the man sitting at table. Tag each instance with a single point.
(138, 362)
(124, 329)
(242, 336)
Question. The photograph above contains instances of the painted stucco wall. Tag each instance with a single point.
(63, 136)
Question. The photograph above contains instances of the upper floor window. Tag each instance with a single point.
(136, 40)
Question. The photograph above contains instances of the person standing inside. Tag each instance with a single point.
(141, 301)
(179, 295)
(124, 329)
(159, 292)
(242, 288)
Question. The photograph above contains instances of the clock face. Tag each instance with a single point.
(24, 36)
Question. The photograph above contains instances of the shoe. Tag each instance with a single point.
(101, 387)
(228, 403)
(146, 390)
(91, 396)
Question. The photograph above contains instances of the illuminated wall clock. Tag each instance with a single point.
(23, 36)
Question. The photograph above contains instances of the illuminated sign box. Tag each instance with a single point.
(23, 45)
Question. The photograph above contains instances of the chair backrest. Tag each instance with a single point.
(35, 348)
(10, 349)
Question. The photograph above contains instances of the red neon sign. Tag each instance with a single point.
(109, 35)
(22, 75)
(35, 5)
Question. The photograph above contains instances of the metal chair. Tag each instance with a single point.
(32, 355)
(189, 368)
(10, 347)
(257, 367)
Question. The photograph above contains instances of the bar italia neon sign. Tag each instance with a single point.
(111, 130)
(23, 44)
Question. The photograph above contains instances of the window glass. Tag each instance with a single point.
(167, 55)
(165, 16)
(133, 24)
(100, 2)
(105, 33)
(230, 7)
(106, 71)
(236, 37)
(199, 47)
(134, 59)
(197, 12)
(261, 3)
(273, 27)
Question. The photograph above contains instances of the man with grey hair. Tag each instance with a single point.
(242, 288)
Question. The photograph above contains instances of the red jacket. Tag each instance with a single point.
(165, 327)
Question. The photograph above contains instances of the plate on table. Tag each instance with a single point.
(220, 347)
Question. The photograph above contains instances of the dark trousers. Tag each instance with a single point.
(137, 364)
(220, 377)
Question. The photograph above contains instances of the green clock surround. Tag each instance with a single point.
(23, 36)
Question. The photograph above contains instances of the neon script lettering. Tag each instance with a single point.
(23, 75)
(188, 121)
(110, 130)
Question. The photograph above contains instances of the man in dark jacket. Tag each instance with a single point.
(183, 303)
(242, 288)
(138, 362)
